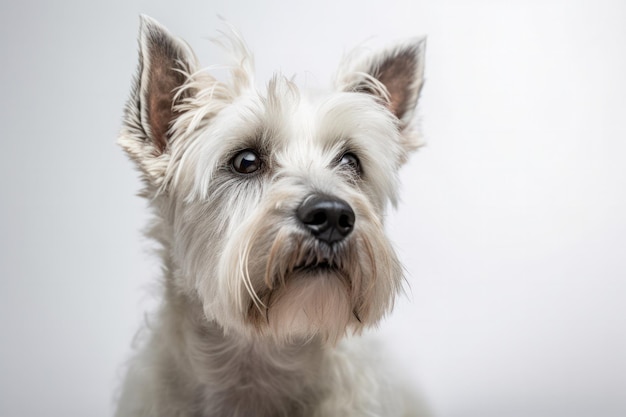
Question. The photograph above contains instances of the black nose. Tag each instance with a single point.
(329, 219)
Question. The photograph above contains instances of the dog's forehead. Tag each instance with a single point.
(320, 122)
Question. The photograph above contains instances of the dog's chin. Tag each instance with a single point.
(315, 301)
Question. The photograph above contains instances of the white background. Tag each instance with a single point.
(512, 225)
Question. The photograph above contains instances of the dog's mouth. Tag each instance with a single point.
(321, 266)
(313, 257)
(307, 259)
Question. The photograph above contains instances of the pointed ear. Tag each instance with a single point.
(395, 76)
(164, 65)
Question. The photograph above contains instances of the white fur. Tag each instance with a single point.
(242, 331)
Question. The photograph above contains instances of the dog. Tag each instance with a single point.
(269, 207)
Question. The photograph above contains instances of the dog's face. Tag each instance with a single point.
(273, 201)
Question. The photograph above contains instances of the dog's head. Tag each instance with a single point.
(273, 201)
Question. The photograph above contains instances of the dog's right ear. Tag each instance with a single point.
(165, 63)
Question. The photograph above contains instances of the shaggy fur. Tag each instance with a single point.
(261, 317)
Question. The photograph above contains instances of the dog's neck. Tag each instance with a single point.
(256, 376)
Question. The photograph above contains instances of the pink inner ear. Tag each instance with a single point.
(398, 75)
(163, 80)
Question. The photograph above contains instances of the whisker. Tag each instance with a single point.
(245, 273)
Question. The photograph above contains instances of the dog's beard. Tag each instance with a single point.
(308, 288)
(288, 285)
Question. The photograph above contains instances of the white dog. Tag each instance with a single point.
(269, 208)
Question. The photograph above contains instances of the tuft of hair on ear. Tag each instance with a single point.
(165, 64)
(395, 76)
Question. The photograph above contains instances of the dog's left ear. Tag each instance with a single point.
(165, 62)
(394, 75)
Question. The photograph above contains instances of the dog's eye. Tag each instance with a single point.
(349, 160)
(246, 162)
